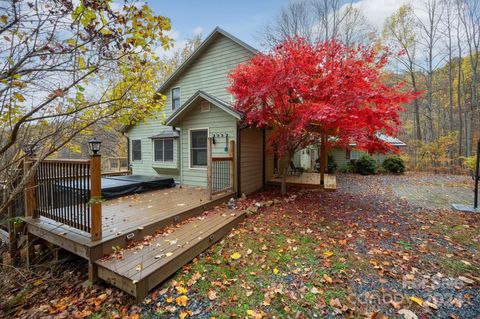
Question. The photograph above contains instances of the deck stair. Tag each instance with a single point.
(143, 266)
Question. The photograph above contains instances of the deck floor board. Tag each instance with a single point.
(141, 269)
(126, 214)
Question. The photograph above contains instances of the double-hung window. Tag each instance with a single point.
(136, 150)
(198, 148)
(163, 150)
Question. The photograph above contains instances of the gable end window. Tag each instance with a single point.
(163, 150)
(198, 148)
(175, 98)
(136, 150)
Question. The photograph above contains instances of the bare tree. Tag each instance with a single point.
(317, 20)
(469, 13)
(63, 68)
(429, 37)
(399, 31)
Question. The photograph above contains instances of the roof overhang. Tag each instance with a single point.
(201, 95)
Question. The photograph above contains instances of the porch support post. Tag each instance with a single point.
(30, 190)
(209, 168)
(95, 196)
(323, 159)
(232, 164)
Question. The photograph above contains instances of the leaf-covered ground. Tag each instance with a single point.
(365, 250)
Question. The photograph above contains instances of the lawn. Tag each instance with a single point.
(362, 251)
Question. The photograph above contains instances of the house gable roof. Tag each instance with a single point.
(180, 112)
(198, 52)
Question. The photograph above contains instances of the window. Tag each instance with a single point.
(356, 154)
(198, 148)
(163, 150)
(175, 98)
(136, 150)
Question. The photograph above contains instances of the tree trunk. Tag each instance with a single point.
(283, 187)
(459, 95)
(418, 135)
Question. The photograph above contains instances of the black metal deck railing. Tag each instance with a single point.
(63, 192)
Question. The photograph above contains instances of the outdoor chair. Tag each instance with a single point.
(295, 170)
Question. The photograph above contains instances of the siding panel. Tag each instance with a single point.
(251, 162)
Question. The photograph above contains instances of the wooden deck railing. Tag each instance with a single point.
(67, 191)
(220, 170)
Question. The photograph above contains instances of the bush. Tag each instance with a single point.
(394, 164)
(470, 162)
(332, 165)
(365, 165)
(346, 168)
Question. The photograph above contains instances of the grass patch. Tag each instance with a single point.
(455, 267)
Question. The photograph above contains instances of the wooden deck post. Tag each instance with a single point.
(209, 168)
(323, 159)
(232, 164)
(14, 254)
(30, 190)
(95, 195)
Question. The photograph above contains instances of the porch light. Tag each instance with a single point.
(94, 146)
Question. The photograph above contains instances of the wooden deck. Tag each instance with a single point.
(142, 268)
(127, 218)
(308, 180)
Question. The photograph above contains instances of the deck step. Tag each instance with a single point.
(142, 268)
(330, 182)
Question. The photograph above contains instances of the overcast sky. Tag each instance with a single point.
(245, 18)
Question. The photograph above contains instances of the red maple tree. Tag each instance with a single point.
(304, 92)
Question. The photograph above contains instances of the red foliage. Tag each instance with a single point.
(303, 90)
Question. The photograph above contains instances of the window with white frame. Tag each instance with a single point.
(136, 150)
(198, 148)
(163, 150)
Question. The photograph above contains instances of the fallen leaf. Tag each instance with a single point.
(235, 255)
(38, 282)
(181, 290)
(407, 314)
(185, 314)
(182, 301)
(466, 280)
(328, 254)
(327, 278)
(417, 300)
(212, 294)
(430, 304)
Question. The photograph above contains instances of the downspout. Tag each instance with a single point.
(179, 154)
(128, 151)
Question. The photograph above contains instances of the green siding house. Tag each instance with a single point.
(198, 106)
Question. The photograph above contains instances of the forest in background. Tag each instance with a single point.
(436, 49)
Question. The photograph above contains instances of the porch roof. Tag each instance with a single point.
(166, 133)
(181, 111)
